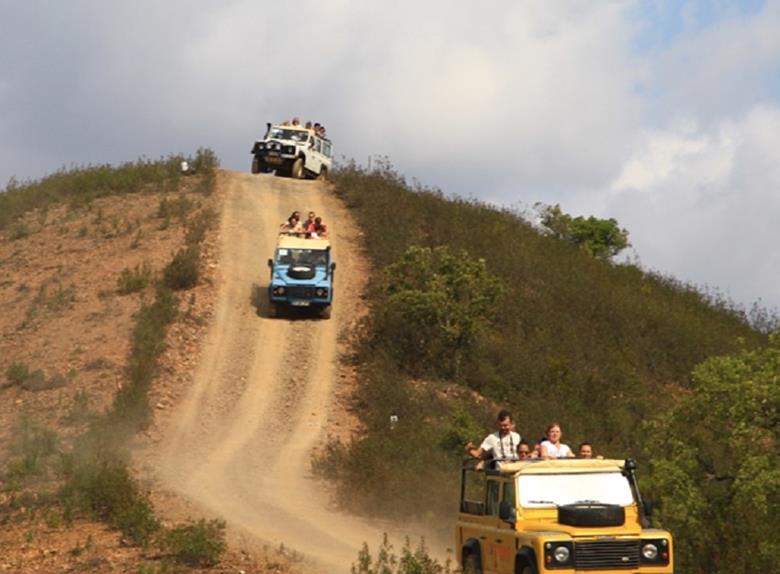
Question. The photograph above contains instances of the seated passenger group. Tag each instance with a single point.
(507, 445)
(312, 228)
(316, 127)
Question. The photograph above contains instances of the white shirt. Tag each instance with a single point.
(560, 451)
(501, 447)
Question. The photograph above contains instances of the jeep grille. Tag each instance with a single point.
(300, 292)
(606, 554)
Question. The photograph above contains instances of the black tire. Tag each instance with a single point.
(471, 564)
(297, 171)
(527, 570)
(323, 175)
(325, 312)
(255, 165)
(273, 310)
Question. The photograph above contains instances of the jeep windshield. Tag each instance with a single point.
(288, 134)
(540, 490)
(307, 257)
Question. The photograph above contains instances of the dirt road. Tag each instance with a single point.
(240, 444)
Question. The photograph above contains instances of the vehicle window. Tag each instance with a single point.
(537, 490)
(491, 498)
(318, 145)
(509, 493)
(474, 493)
(314, 257)
(288, 134)
(326, 148)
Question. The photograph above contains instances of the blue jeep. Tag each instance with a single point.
(301, 275)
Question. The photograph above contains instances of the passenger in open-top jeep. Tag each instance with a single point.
(293, 150)
(564, 516)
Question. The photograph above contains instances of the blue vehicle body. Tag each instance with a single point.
(301, 275)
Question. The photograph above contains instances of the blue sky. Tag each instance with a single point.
(663, 22)
(664, 115)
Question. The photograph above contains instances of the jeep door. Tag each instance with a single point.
(505, 541)
(314, 155)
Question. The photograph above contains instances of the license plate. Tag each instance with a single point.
(300, 303)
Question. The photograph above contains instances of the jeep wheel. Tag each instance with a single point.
(471, 565)
(323, 176)
(273, 310)
(255, 165)
(527, 570)
(325, 312)
(297, 169)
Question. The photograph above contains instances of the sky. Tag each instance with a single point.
(662, 115)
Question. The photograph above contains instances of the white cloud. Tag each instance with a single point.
(704, 204)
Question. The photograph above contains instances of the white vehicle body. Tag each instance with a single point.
(292, 151)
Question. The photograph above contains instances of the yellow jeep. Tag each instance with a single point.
(558, 516)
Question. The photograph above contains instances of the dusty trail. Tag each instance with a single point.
(240, 444)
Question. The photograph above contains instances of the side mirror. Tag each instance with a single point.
(332, 267)
(507, 512)
(271, 263)
(647, 507)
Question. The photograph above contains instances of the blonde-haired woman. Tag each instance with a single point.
(553, 447)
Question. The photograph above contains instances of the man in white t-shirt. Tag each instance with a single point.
(500, 445)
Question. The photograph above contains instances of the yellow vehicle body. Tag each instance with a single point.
(504, 527)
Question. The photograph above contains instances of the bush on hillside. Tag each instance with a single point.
(598, 237)
(715, 460)
(435, 307)
(415, 560)
(199, 544)
(135, 280)
(106, 490)
(183, 270)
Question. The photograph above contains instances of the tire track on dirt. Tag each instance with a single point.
(240, 444)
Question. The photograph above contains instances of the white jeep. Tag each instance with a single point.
(292, 151)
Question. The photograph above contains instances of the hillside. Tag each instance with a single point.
(558, 336)
(81, 252)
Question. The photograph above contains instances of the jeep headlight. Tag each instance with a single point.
(320, 292)
(558, 554)
(561, 554)
(650, 551)
(278, 290)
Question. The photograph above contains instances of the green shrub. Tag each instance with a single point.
(19, 230)
(131, 404)
(31, 448)
(412, 560)
(177, 207)
(135, 280)
(198, 544)
(17, 373)
(183, 270)
(106, 490)
(199, 225)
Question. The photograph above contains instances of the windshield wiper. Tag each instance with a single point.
(541, 502)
